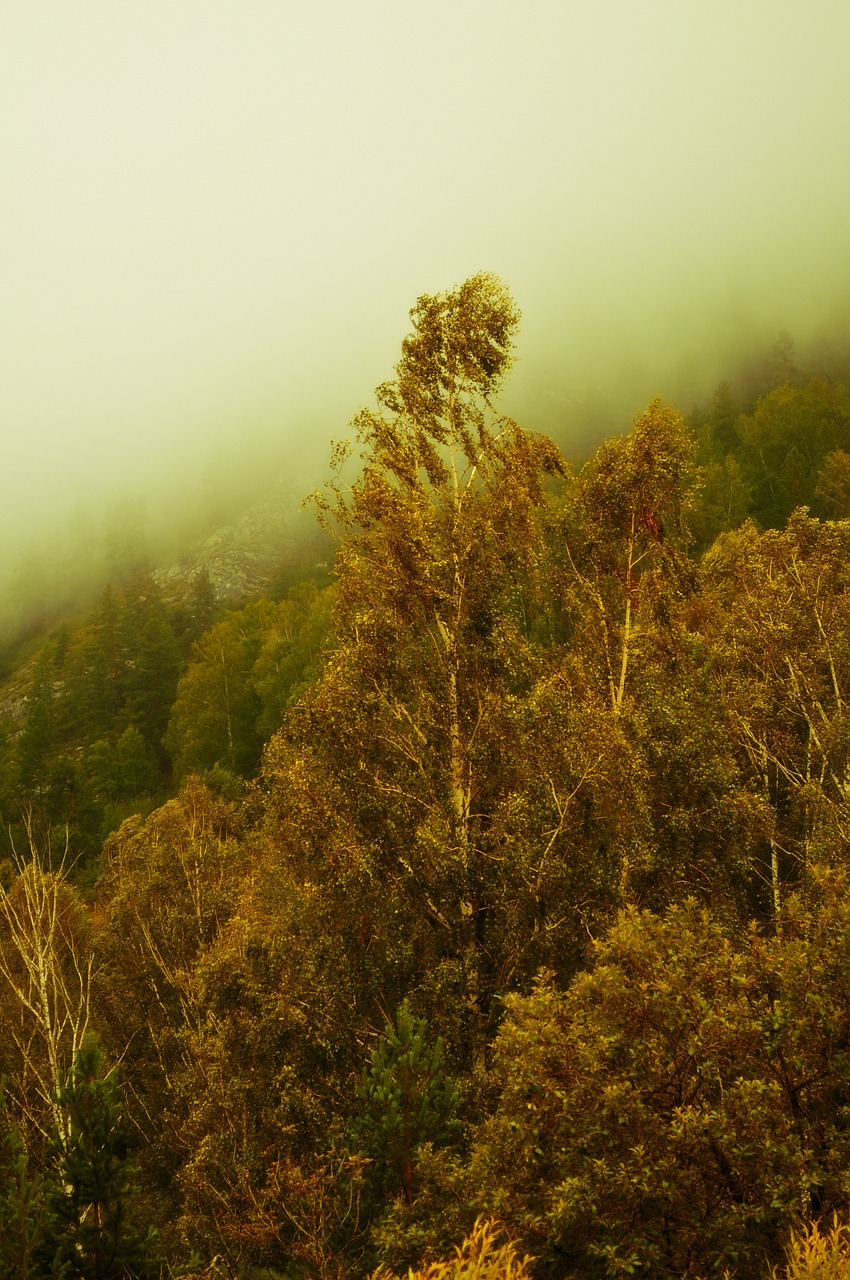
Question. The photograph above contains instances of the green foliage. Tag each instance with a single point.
(214, 715)
(122, 770)
(154, 660)
(442, 1212)
(457, 355)
(97, 670)
(725, 500)
(243, 674)
(786, 452)
(406, 1099)
(123, 668)
(804, 973)
(198, 613)
(637, 485)
(786, 441)
(38, 739)
(90, 1222)
(634, 496)
(833, 488)
(708, 822)
(24, 1215)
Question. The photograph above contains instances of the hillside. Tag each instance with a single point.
(500, 873)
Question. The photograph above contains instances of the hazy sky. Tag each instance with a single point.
(215, 215)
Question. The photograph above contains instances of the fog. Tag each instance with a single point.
(214, 218)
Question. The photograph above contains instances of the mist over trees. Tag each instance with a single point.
(488, 893)
(59, 564)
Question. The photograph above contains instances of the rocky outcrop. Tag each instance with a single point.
(243, 558)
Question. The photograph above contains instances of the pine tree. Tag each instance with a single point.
(94, 1236)
(23, 1210)
(153, 659)
(37, 743)
(407, 1099)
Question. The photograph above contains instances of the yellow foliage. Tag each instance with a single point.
(818, 1254)
(481, 1256)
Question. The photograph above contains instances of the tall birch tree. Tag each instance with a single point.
(404, 745)
(45, 975)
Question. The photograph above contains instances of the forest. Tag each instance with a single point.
(477, 904)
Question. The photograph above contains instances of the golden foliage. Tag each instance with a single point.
(481, 1256)
(816, 1253)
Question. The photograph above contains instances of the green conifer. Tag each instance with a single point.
(94, 1236)
(406, 1100)
(23, 1210)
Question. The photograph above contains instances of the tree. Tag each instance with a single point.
(725, 500)
(782, 654)
(784, 444)
(98, 672)
(268, 1072)
(240, 679)
(24, 1215)
(720, 431)
(37, 744)
(639, 1129)
(91, 1226)
(406, 1100)
(46, 967)
(124, 535)
(122, 770)
(684, 1102)
(833, 487)
(153, 659)
(214, 715)
(198, 611)
(169, 884)
(634, 494)
(802, 971)
(706, 822)
(431, 472)
(407, 733)
(123, 669)
(292, 651)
